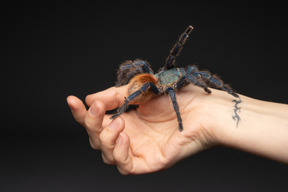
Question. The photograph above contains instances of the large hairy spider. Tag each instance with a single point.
(144, 84)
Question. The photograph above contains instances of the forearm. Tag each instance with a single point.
(262, 129)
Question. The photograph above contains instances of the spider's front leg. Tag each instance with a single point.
(129, 69)
(138, 96)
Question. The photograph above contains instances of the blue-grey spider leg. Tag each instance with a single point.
(191, 79)
(176, 107)
(124, 107)
(129, 69)
(216, 82)
(136, 64)
(170, 61)
(192, 69)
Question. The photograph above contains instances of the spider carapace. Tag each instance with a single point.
(143, 84)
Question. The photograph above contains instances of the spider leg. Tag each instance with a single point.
(129, 69)
(192, 69)
(170, 61)
(176, 107)
(217, 82)
(137, 63)
(191, 79)
(124, 107)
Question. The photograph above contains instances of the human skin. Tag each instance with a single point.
(148, 139)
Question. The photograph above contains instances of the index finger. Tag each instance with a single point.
(77, 108)
(112, 98)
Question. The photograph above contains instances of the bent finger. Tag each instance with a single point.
(112, 98)
(126, 161)
(93, 122)
(108, 139)
(121, 154)
(78, 109)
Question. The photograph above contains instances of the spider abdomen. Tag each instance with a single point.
(136, 83)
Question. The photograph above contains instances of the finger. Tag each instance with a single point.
(126, 161)
(93, 123)
(108, 139)
(121, 154)
(77, 108)
(112, 98)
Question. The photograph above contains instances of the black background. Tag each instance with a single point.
(50, 51)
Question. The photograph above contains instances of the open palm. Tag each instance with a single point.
(146, 139)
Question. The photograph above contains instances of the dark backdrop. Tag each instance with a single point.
(50, 51)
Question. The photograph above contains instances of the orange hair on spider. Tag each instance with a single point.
(136, 83)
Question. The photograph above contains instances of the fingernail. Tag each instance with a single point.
(93, 110)
(114, 124)
(119, 140)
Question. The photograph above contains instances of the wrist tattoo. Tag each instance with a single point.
(237, 109)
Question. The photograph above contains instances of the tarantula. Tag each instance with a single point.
(143, 84)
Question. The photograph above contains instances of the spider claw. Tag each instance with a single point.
(180, 127)
(114, 116)
(207, 90)
(235, 95)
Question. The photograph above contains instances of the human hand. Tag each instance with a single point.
(147, 139)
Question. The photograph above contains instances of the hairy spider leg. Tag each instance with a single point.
(124, 107)
(136, 63)
(194, 79)
(176, 107)
(215, 81)
(192, 69)
(170, 61)
(142, 67)
(188, 78)
(139, 67)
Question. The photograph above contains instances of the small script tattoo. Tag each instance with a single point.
(237, 109)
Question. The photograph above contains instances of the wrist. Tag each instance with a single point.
(214, 113)
(224, 117)
(262, 129)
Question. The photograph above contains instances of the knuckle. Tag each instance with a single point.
(89, 99)
(119, 158)
(116, 96)
(125, 166)
(81, 122)
(102, 137)
(94, 145)
(87, 124)
(89, 128)
(123, 171)
(105, 140)
(108, 160)
(119, 96)
(91, 125)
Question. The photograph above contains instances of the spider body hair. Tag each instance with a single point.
(136, 83)
(128, 69)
